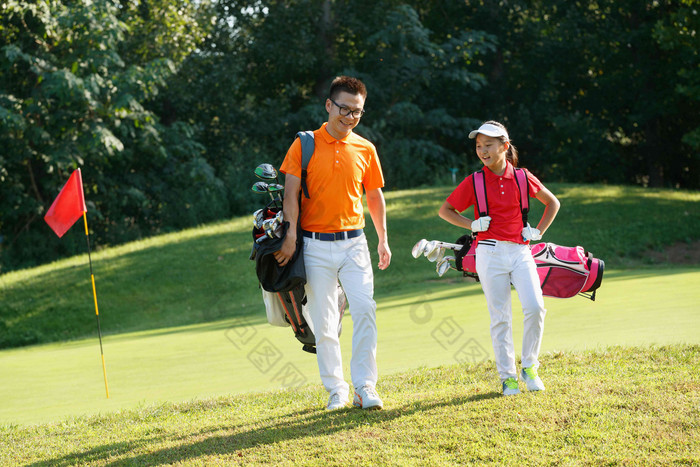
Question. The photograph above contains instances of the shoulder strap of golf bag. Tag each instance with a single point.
(307, 150)
(292, 303)
(524, 188)
(482, 205)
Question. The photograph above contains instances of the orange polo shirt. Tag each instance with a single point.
(336, 174)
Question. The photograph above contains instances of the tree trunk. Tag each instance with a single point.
(325, 70)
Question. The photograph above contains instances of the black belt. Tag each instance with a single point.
(331, 237)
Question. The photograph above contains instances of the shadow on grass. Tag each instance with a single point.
(308, 423)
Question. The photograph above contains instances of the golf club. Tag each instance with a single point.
(272, 228)
(277, 228)
(425, 247)
(264, 187)
(419, 248)
(444, 265)
(267, 228)
(276, 188)
(433, 251)
(260, 187)
(258, 217)
(266, 172)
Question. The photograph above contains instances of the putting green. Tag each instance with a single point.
(439, 322)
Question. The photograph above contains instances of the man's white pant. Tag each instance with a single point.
(498, 266)
(349, 261)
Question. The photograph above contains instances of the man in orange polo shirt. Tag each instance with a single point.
(335, 247)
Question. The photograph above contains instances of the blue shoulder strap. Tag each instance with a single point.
(307, 150)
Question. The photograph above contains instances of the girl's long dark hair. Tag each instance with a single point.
(512, 152)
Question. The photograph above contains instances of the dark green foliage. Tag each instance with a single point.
(167, 106)
(76, 90)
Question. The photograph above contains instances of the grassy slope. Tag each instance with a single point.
(435, 324)
(154, 287)
(620, 406)
(203, 275)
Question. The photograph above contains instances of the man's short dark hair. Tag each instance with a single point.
(348, 84)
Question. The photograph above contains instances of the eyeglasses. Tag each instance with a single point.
(345, 111)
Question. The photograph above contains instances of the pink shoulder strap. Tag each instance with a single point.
(523, 186)
(480, 192)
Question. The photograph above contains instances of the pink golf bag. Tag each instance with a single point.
(566, 270)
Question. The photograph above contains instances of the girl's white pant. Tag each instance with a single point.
(347, 261)
(498, 266)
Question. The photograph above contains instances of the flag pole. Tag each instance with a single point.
(97, 313)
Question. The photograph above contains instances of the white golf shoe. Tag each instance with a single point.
(336, 401)
(366, 397)
(510, 387)
(534, 383)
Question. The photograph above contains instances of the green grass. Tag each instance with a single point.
(203, 274)
(184, 326)
(438, 323)
(618, 406)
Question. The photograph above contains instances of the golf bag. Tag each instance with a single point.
(566, 271)
(272, 276)
(283, 286)
(289, 308)
(563, 271)
(465, 259)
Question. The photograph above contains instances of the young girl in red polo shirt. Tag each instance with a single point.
(503, 254)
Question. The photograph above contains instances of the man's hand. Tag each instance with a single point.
(292, 188)
(377, 209)
(384, 255)
(285, 254)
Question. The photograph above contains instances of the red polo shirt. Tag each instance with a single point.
(503, 203)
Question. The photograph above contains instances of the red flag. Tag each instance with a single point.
(68, 206)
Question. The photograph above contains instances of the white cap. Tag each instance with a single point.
(489, 129)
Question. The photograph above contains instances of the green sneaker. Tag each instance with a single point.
(534, 383)
(510, 387)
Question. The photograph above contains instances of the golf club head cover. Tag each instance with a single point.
(531, 233)
(481, 224)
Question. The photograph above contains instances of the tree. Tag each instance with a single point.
(589, 90)
(68, 99)
(679, 34)
(267, 67)
(168, 105)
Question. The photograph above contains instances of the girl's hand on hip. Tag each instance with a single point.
(531, 233)
(481, 224)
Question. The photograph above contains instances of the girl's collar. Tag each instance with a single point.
(507, 173)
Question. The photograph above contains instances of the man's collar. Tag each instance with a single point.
(329, 138)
